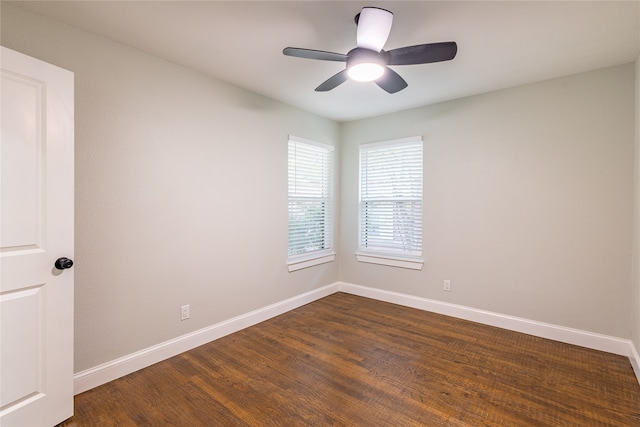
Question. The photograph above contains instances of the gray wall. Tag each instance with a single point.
(181, 192)
(528, 199)
(635, 295)
(528, 196)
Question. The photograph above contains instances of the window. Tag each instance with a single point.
(310, 203)
(390, 229)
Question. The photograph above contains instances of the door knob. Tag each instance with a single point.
(63, 263)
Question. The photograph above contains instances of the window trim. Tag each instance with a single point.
(388, 258)
(298, 262)
(309, 259)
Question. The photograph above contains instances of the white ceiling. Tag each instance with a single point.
(500, 44)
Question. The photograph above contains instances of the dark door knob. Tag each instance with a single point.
(63, 263)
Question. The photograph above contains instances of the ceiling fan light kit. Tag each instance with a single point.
(364, 65)
(368, 61)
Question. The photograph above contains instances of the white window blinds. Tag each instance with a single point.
(391, 197)
(310, 197)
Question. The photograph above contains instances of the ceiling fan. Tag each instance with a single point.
(368, 61)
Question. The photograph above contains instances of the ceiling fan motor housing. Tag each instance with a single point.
(360, 55)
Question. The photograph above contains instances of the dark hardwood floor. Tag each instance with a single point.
(351, 361)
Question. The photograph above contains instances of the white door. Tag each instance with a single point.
(36, 228)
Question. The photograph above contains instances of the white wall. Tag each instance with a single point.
(181, 192)
(528, 199)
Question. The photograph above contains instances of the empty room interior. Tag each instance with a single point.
(528, 217)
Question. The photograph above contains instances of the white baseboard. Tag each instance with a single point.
(117, 368)
(634, 357)
(544, 330)
(122, 366)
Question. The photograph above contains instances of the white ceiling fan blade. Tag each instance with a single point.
(374, 26)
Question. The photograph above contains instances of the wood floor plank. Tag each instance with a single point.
(351, 361)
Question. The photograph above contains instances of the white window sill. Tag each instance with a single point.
(310, 260)
(391, 260)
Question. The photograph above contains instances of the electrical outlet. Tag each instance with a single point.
(184, 312)
(447, 285)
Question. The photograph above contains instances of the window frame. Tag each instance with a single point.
(327, 254)
(395, 258)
